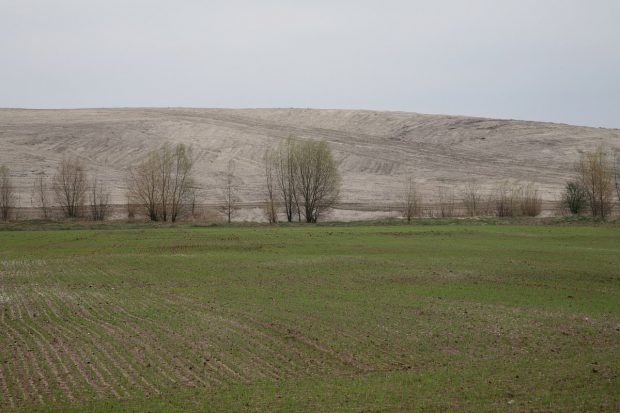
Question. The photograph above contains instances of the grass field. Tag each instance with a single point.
(339, 318)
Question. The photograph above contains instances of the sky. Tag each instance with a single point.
(547, 60)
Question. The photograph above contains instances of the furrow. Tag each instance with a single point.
(95, 365)
(73, 383)
(166, 368)
(178, 368)
(96, 368)
(76, 360)
(7, 396)
(32, 363)
(10, 314)
(388, 361)
(110, 356)
(342, 358)
(250, 333)
(132, 369)
(29, 389)
(271, 371)
(46, 349)
(109, 350)
(114, 331)
(48, 364)
(246, 336)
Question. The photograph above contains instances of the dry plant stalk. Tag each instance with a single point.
(447, 202)
(40, 194)
(411, 205)
(505, 200)
(99, 201)
(530, 202)
(472, 199)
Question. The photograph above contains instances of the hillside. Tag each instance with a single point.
(376, 150)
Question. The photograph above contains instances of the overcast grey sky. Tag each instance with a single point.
(552, 60)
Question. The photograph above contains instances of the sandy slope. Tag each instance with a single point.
(376, 150)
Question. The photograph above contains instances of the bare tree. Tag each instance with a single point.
(472, 199)
(7, 193)
(595, 174)
(411, 206)
(230, 192)
(284, 165)
(181, 184)
(143, 185)
(271, 206)
(99, 201)
(40, 194)
(162, 183)
(317, 180)
(70, 186)
(164, 168)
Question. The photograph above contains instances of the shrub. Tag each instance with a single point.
(472, 200)
(504, 201)
(573, 198)
(530, 202)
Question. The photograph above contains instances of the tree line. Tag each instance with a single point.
(301, 182)
(161, 185)
(302, 174)
(507, 199)
(595, 178)
(73, 191)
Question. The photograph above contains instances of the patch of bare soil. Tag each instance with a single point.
(376, 151)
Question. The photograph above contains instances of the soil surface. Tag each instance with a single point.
(377, 151)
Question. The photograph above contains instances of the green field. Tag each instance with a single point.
(440, 317)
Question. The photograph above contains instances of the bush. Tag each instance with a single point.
(504, 201)
(573, 198)
(530, 202)
(512, 200)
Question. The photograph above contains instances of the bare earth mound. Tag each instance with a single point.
(376, 150)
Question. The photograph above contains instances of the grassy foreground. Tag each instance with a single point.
(361, 318)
